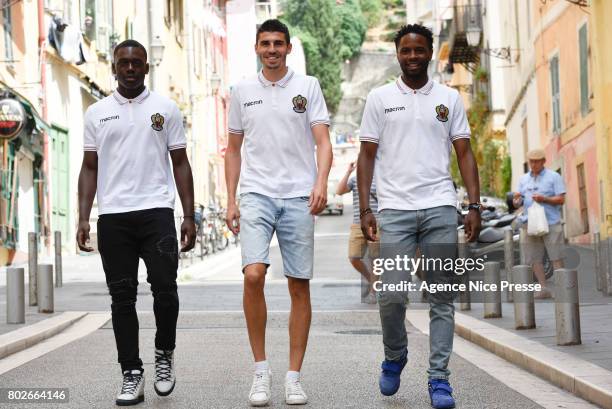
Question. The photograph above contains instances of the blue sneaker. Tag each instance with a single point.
(389, 381)
(441, 394)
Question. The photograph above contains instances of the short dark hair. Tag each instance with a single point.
(129, 43)
(273, 26)
(415, 29)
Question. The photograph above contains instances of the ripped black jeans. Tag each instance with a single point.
(123, 238)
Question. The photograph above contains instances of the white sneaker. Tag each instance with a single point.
(132, 389)
(260, 390)
(164, 372)
(294, 394)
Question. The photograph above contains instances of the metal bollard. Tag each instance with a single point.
(58, 258)
(32, 268)
(465, 299)
(492, 299)
(15, 297)
(598, 266)
(524, 308)
(522, 234)
(567, 309)
(45, 288)
(509, 260)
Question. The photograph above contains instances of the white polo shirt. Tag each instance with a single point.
(132, 139)
(414, 130)
(278, 154)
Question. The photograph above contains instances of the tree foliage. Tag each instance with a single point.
(330, 34)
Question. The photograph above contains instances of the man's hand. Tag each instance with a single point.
(232, 218)
(538, 198)
(471, 225)
(82, 236)
(188, 234)
(368, 227)
(351, 167)
(318, 198)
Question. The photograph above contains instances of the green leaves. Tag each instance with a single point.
(330, 34)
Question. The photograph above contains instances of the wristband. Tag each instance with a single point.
(364, 212)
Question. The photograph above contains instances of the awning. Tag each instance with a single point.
(41, 125)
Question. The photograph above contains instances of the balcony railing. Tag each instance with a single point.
(465, 34)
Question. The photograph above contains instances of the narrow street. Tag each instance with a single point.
(213, 360)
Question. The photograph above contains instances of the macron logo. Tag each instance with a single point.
(387, 110)
(109, 118)
(248, 104)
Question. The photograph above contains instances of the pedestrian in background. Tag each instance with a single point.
(128, 136)
(280, 116)
(546, 187)
(358, 245)
(408, 129)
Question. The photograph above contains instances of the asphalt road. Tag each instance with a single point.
(213, 359)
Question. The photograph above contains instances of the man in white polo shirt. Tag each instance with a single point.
(129, 137)
(279, 116)
(408, 129)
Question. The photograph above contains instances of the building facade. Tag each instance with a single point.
(563, 69)
(59, 67)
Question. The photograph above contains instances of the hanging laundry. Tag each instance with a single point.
(67, 40)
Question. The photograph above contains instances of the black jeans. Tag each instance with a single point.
(123, 238)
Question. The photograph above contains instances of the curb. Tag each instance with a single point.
(582, 378)
(30, 335)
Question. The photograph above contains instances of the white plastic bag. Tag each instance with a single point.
(537, 225)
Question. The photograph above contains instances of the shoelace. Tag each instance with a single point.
(261, 383)
(130, 382)
(295, 388)
(163, 367)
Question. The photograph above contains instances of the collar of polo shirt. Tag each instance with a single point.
(281, 83)
(405, 89)
(122, 100)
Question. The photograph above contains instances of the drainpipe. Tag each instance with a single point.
(43, 100)
(152, 67)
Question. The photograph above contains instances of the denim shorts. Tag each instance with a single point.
(261, 216)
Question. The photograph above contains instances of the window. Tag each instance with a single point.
(584, 69)
(7, 24)
(555, 94)
(582, 197)
(97, 23)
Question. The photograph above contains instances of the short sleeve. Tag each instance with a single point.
(235, 114)
(351, 183)
(559, 185)
(521, 185)
(460, 128)
(89, 133)
(316, 108)
(176, 132)
(371, 124)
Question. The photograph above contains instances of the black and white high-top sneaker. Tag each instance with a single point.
(164, 372)
(132, 389)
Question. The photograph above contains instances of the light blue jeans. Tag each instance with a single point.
(434, 232)
(261, 216)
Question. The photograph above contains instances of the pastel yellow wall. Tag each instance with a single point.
(601, 14)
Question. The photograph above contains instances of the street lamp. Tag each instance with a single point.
(157, 51)
(473, 36)
(215, 82)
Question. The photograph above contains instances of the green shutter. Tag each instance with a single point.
(584, 70)
(556, 98)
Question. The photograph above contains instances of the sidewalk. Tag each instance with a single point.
(566, 366)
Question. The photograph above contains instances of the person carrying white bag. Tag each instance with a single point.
(537, 225)
(541, 192)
